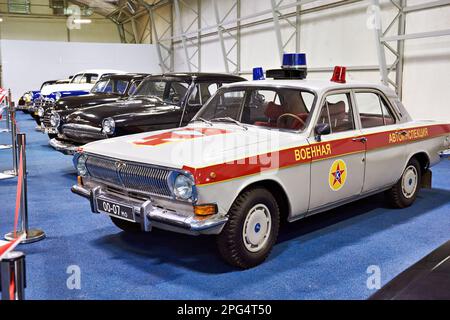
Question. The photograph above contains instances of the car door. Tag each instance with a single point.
(384, 160)
(337, 168)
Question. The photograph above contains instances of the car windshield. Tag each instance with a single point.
(171, 92)
(117, 86)
(272, 108)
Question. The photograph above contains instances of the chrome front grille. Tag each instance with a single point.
(132, 177)
(38, 102)
(82, 133)
(46, 119)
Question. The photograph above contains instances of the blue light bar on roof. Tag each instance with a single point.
(294, 60)
(258, 73)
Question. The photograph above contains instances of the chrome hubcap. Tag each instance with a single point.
(409, 181)
(257, 228)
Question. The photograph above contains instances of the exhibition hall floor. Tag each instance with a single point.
(323, 257)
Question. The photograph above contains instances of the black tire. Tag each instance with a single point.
(127, 226)
(398, 195)
(52, 135)
(230, 241)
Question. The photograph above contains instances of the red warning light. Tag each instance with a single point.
(339, 74)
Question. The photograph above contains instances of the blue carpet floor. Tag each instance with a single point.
(322, 257)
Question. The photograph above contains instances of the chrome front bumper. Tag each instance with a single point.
(64, 147)
(148, 215)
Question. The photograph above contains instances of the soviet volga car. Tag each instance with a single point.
(110, 88)
(259, 152)
(160, 102)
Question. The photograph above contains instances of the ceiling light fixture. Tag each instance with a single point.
(82, 21)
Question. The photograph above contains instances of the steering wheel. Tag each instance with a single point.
(289, 115)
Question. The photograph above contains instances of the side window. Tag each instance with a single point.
(337, 112)
(133, 87)
(77, 78)
(373, 110)
(194, 98)
(202, 92)
(121, 86)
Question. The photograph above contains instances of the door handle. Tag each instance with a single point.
(360, 139)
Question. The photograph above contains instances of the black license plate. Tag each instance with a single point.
(116, 210)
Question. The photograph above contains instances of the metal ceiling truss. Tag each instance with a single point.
(191, 46)
(126, 18)
(384, 38)
(164, 47)
(231, 53)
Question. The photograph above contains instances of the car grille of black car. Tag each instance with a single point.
(38, 102)
(82, 133)
(46, 119)
(131, 176)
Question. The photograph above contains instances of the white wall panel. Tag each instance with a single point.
(26, 64)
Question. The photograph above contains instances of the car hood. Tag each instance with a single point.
(196, 146)
(66, 87)
(85, 100)
(95, 115)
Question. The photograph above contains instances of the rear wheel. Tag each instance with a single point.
(252, 229)
(405, 191)
(127, 226)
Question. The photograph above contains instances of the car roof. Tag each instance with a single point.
(317, 85)
(186, 76)
(128, 76)
(101, 71)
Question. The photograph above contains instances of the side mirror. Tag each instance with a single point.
(321, 129)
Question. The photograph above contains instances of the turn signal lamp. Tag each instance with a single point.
(294, 67)
(339, 74)
(258, 73)
(205, 209)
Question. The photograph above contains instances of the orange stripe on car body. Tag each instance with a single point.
(308, 153)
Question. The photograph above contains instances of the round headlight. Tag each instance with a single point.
(27, 97)
(183, 187)
(55, 120)
(57, 96)
(40, 112)
(81, 165)
(108, 126)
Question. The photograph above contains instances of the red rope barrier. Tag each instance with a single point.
(12, 286)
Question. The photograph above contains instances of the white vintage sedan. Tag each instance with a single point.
(259, 152)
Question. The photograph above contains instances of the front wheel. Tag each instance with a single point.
(405, 191)
(252, 229)
(52, 136)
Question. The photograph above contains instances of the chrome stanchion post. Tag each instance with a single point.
(32, 235)
(12, 272)
(8, 110)
(14, 141)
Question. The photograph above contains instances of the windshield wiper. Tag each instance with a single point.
(229, 119)
(202, 120)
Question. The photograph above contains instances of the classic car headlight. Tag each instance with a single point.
(55, 120)
(183, 187)
(108, 126)
(57, 96)
(41, 112)
(27, 97)
(81, 165)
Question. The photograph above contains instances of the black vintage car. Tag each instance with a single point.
(110, 88)
(160, 102)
